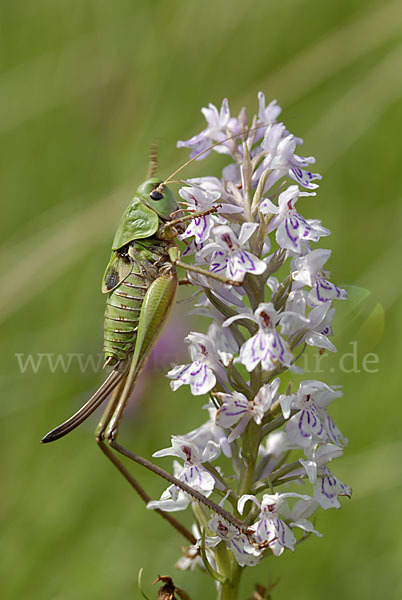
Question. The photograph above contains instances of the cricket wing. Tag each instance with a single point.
(137, 223)
(118, 269)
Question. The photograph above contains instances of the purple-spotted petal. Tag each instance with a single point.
(232, 410)
(276, 534)
(198, 376)
(334, 434)
(328, 488)
(245, 553)
(267, 348)
(325, 291)
(293, 230)
(304, 425)
(241, 262)
(305, 178)
(200, 228)
(198, 478)
(250, 352)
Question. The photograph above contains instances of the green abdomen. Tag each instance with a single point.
(121, 317)
(124, 302)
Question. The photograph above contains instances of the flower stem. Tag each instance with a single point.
(230, 589)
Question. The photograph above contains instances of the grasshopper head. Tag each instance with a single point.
(162, 202)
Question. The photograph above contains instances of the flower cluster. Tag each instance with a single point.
(269, 299)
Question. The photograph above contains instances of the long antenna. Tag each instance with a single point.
(153, 159)
(207, 150)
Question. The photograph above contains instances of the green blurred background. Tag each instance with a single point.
(85, 86)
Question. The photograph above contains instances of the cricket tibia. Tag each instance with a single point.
(85, 411)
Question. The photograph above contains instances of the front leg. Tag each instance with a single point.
(170, 230)
(192, 216)
(174, 255)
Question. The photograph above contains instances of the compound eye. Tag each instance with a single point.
(155, 195)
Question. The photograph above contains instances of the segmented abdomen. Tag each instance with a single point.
(123, 305)
(122, 313)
